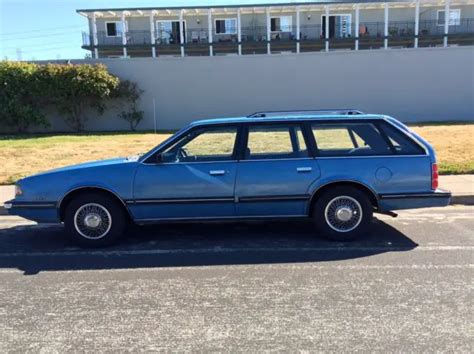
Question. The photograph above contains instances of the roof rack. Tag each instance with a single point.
(305, 113)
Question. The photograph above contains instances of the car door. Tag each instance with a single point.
(193, 177)
(276, 171)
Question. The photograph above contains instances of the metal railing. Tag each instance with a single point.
(401, 31)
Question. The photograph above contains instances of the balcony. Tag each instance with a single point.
(254, 39)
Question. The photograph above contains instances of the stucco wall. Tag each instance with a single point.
(412, 85)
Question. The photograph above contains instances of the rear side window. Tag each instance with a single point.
(401, 143)
(275, 142)
(349, 139)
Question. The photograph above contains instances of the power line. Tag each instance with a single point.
(33, 46)
(39, 30)
(49, 49)
(40, 36)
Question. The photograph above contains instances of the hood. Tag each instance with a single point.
(99, 163)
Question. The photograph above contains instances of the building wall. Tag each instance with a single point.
(426, 84)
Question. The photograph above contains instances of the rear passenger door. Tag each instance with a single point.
(275, 172)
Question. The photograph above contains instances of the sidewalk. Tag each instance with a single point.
(462, 187)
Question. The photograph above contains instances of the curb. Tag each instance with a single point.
(462, 199)
(455, 200)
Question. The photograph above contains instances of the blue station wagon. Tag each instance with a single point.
(336, 169)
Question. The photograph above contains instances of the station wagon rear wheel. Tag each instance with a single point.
(94, 220)
(343, 213)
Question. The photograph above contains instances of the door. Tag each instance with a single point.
(339, 26)
(276, 171)
(192, 178)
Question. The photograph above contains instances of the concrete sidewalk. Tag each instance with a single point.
(462, 187)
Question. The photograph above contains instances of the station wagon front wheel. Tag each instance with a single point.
(94, 220)
(343, 213)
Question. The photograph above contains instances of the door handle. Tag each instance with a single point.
(216, 172)
(304, 169)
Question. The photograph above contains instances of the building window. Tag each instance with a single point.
(226, 26)
(454, 17)
(114, 29)
(281, 24)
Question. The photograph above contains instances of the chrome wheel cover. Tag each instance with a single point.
(343, 214)
(92, 221)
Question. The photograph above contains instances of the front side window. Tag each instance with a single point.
(226, 26)
(454, 17)
(275, 142)
(349, 139)
(281, 24)
(212, 144)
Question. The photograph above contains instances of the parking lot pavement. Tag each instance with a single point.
(406, 286)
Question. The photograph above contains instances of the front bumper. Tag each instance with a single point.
(437, 198)
(43, 212)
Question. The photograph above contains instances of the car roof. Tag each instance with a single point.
(288, 118)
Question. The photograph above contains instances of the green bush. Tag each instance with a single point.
(27, 90)
(20, 97)
(129, 93)
(74, 89)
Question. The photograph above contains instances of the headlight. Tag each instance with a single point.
(18, 191)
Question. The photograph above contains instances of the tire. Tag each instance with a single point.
(94, 220)
(343, 213)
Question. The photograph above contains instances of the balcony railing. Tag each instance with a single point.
(312, 38)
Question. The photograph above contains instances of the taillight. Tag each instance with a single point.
(434, 176)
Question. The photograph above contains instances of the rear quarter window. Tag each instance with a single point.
(401, 143)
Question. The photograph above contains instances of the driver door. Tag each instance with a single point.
(192, 178)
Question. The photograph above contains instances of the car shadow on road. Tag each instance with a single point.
(34, 248)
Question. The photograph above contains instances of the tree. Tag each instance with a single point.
(20, 96)
(129, 92)
(75, 89)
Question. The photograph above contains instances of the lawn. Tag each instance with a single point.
(25, 155)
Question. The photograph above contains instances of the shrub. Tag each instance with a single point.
(74, 89)
(26, 90)
(20, 96)
(130, 93)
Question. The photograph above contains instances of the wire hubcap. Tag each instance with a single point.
(343, 214)
(92, 221)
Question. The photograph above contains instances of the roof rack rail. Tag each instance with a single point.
(264, 114)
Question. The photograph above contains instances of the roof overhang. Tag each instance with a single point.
(260, 7)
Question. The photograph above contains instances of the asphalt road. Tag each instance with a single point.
(407, 286)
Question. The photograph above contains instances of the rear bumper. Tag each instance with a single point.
(438, 198)
(44, 212)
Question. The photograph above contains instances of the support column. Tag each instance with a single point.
(357, 25)
(269, 30)
(209, 30)
(95, 41)
(417, 22)
(152, 35)
(385, 26)
(124, 34)
(326, 28)
(298, 25)
(181, 29)
(446, 23)
(239, 30)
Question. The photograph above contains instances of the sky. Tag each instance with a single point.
(51, 29)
